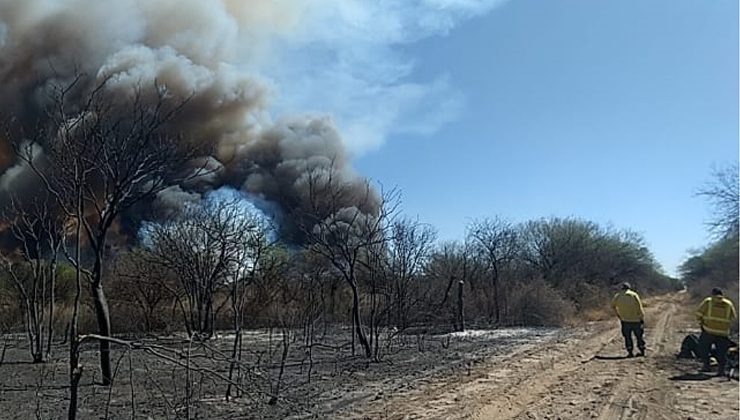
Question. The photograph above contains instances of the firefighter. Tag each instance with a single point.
(628, 307)
(715, 314)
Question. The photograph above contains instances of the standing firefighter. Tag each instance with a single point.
(628, 308)
(715, 315)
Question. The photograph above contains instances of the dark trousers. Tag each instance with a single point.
(721, 345)
(636, 328)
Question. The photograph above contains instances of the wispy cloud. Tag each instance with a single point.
(345, 58)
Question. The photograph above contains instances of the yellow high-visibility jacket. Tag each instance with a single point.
(628, 306)
(716, 314)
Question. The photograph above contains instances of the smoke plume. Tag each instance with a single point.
(198, 51)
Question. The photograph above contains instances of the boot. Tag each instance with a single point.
(721, 371)
(641, 353)
(630, 354)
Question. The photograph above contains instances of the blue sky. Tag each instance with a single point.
(612, 111)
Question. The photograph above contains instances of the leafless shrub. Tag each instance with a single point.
(722, 193)
(534, 302)
(212, 247)
(33, 269)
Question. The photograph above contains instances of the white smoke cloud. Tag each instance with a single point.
(338, 57)
(344, 59)
(334, 63)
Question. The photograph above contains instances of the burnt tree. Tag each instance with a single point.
(101, 156)
(32, 268)
(722, 193)
(345, 236)
(409, 250)
(495, 241)
(215, 245)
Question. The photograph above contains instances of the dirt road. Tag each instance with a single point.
(582, 377)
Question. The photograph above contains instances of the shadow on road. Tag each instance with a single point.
(597, 357)
(21, 362)
(691, 377)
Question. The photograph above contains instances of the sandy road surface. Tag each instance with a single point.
(582, 377)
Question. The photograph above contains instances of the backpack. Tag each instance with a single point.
(689, 347)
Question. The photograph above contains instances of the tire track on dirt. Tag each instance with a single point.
(522, 395)
(581, 376)
(611, 387)
(459, 396)
(622, 404)
(573, 388)
(449, 396)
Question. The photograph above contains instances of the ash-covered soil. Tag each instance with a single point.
(325, 382)
(517, 373)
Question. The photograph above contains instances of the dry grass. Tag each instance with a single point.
(595, 314)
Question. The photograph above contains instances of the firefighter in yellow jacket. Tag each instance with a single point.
(715, 314)
(628, 307)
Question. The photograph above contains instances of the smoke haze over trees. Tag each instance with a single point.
(179, 54)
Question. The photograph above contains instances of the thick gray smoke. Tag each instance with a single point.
(195, 49)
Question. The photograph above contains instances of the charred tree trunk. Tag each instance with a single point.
(52, 296)
(235, 364)
(102, 315)
(283, 358)
(460, 306)
(75, 370)
(496, 304)
(357, 320)
(37, 347)
(100, 303)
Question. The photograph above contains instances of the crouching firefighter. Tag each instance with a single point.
(715, 314)
(628, 307)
